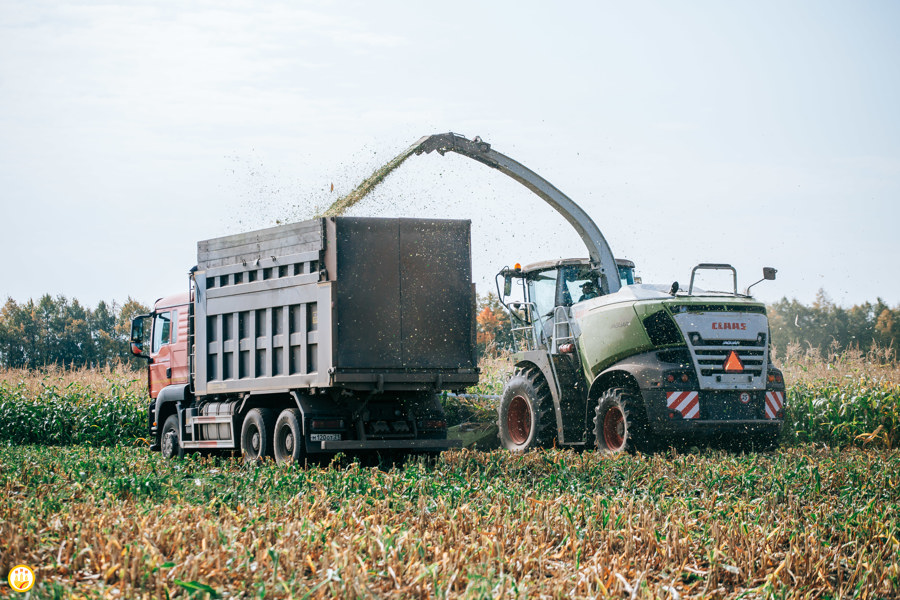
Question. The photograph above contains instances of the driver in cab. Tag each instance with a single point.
(588, 291)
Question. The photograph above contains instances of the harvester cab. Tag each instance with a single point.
(540, 296)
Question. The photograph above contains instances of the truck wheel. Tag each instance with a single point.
(613, 425)
(289, 443)
(526, 418)
(170, 443)
(256, 435)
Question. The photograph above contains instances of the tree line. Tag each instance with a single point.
(57, 331)
(67, 333)
(827, 327)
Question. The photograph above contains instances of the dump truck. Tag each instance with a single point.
(605, 361)
(330, 335)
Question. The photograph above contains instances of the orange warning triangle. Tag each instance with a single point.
(733, 364)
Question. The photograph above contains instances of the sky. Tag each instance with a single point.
(753, 133)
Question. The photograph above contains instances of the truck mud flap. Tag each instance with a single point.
(426, 445)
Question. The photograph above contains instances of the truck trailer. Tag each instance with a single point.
(331, 335)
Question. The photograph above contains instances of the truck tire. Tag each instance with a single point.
(614, 426)
(525, 415)
(288, 442)
(256, 435)
(170, 441)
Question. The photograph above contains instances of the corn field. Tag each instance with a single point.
(120, 522)
(98, 516)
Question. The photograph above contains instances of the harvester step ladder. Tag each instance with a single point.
(562, 328)
(527, 333)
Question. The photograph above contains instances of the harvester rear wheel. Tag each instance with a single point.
(525, 416)
(614, 426)
(256, 435)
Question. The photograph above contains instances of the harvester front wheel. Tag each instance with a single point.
(526, 417)
(613, 423)
(256, 435)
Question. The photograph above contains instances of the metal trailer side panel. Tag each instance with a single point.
(248, 248)
(271, 337)
(436, 303)
(404, 293)
(368, 292)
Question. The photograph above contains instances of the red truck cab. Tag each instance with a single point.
(167, 336)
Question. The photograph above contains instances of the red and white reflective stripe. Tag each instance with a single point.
(687, 403)
(774, 404)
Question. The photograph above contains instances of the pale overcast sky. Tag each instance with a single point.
(757, 133)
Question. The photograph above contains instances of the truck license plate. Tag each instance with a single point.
(325, 437)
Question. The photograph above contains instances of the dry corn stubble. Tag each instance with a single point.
(107, 522)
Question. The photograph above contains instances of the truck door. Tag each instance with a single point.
(164, 335)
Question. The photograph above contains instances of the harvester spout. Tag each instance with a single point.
(602, 259)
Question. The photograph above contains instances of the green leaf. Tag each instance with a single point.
(195, 586)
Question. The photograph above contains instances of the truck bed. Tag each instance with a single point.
(354, 302)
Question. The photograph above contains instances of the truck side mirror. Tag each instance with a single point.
(137, 336)
(507, 285)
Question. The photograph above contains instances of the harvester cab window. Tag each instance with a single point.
(578, 283)
(542, 291)
(163, 331)
(626, 275)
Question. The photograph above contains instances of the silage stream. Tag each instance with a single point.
(341, 205)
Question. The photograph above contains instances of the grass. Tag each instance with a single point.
(120, 522)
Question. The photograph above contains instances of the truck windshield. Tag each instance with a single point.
(162, 329)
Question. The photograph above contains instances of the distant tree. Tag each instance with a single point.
(122, 331)
(826, 326)
(493, 326)
(57, 331)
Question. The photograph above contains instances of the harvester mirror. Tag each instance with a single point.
(507, 285)
(768, 274)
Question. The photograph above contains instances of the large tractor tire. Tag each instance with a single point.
(526, 418)
(615, 427)
(170, 441)
(256, 435)
(289, 444)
